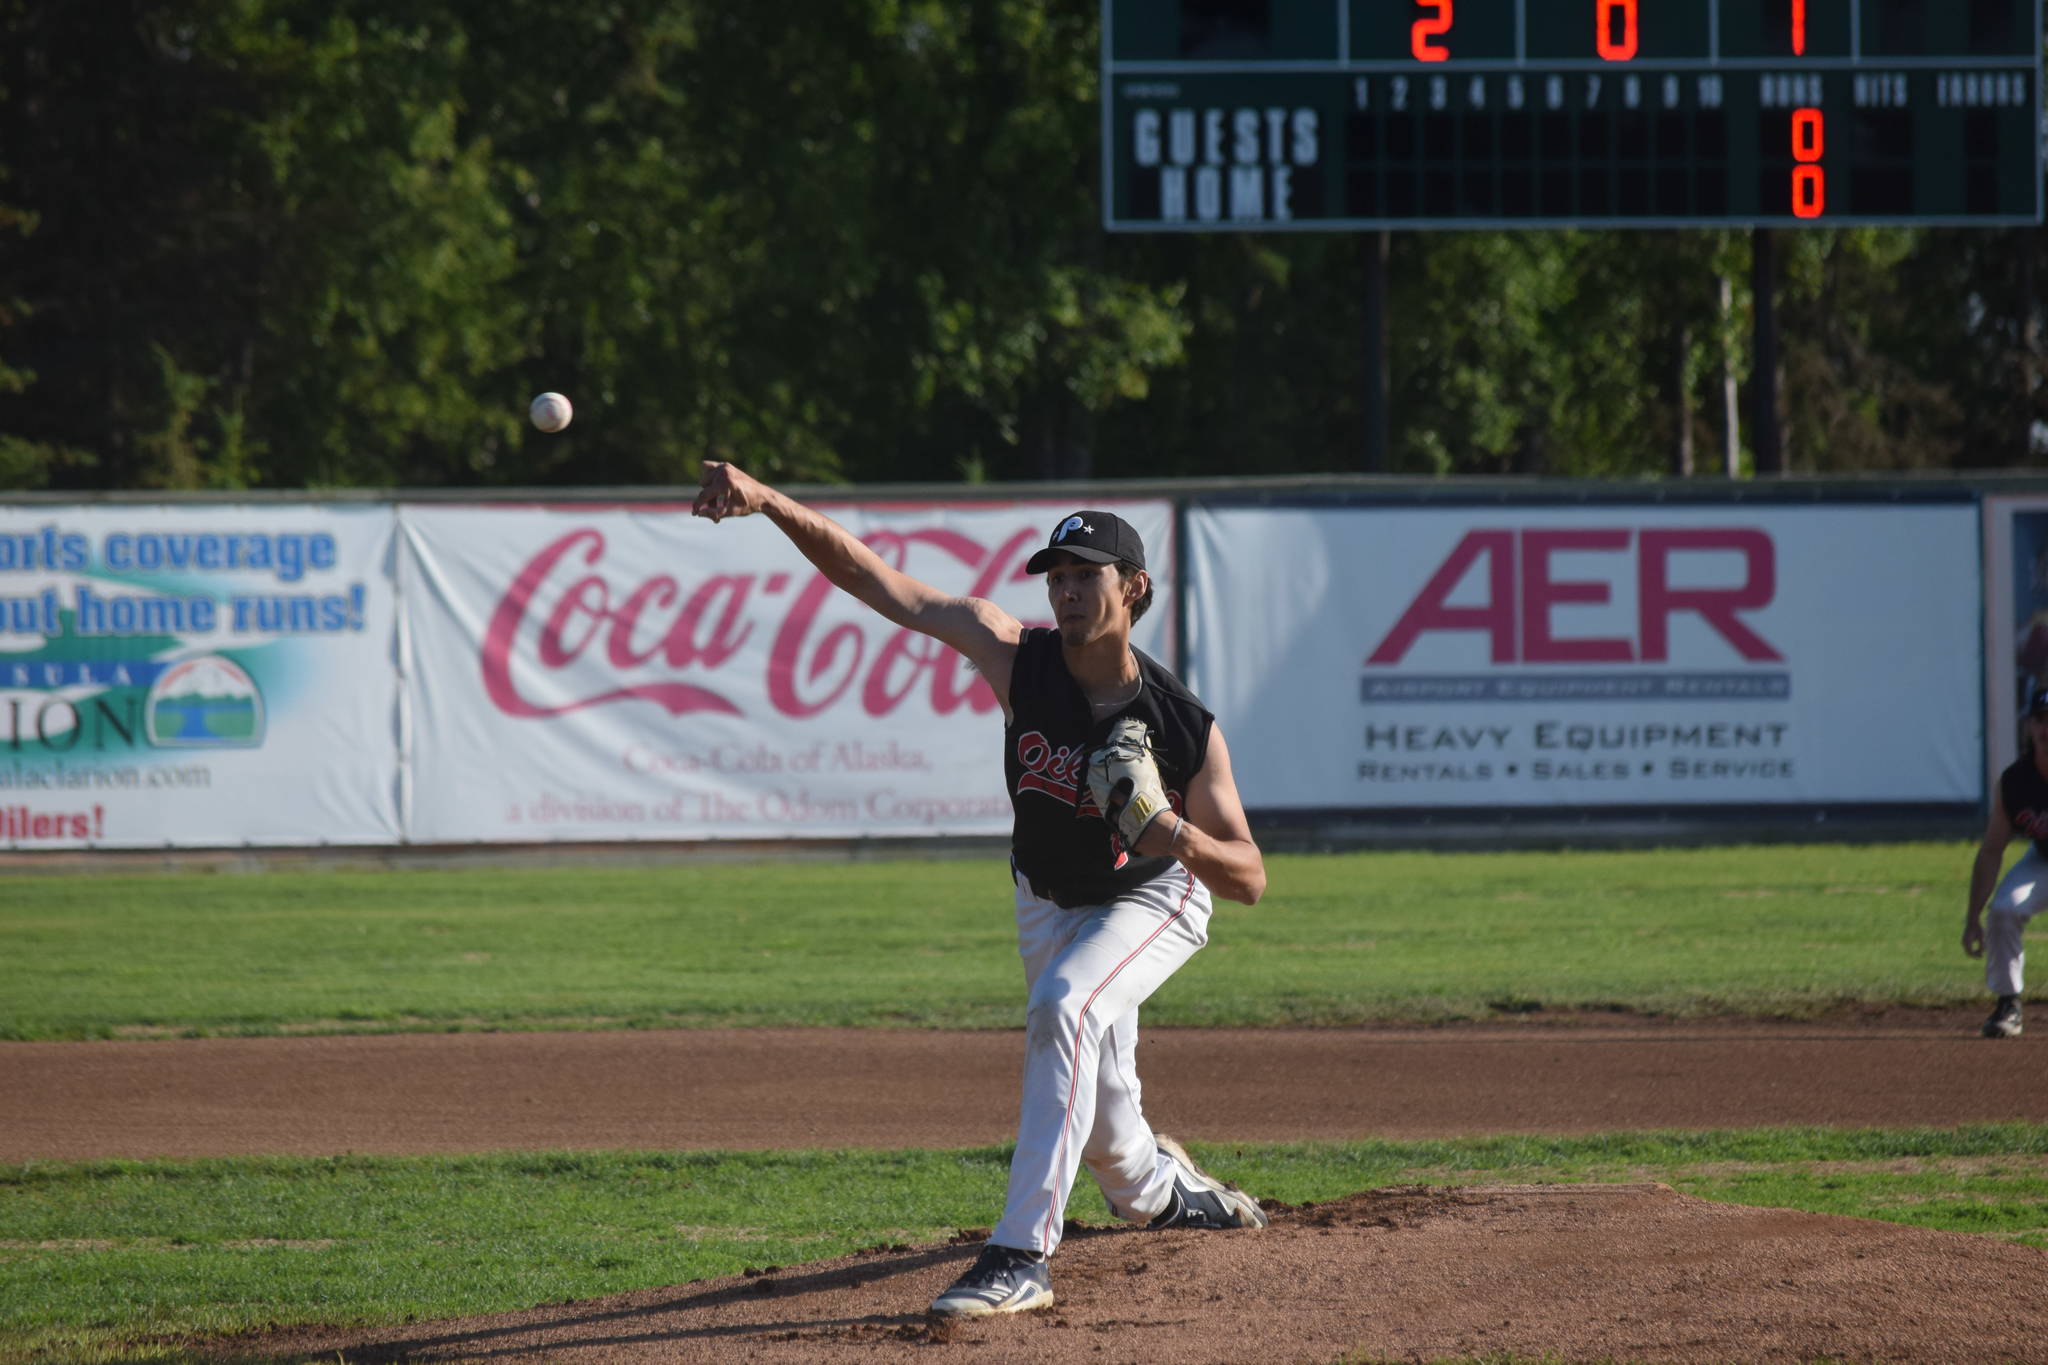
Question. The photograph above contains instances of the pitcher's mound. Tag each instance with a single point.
(1563, 1272)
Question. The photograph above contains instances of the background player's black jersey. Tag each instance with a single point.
(2025, 793)
(1060, 841)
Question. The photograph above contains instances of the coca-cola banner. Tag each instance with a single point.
(580, 673)
(197, 676)
(1603, 656)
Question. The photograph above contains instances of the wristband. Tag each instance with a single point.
(1174, 842)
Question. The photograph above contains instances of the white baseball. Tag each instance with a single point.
(550, 412)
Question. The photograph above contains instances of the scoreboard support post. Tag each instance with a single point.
(1731, 409)
(1378, 246)
(1763, 286)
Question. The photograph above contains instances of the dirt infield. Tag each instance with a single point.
(903, 1088)
(1572, 1273)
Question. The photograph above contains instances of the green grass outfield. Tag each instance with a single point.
(97, 1259)
(100, 1260)
(1339, 939)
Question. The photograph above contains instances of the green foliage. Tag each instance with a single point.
(288, 244)
(23, 463)
(1857, 400)
(1338, 939)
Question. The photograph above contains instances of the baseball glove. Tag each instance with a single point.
(1123, 778)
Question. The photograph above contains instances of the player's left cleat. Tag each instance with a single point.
(1001, 1280)
(1202, 1201)
(2005, 1020)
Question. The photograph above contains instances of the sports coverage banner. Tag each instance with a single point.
(197, 676)
(580, 673)
(1488, 657)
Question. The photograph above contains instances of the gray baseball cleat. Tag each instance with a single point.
(2005, 1021)
(1202, 1201)
(1001, 1280)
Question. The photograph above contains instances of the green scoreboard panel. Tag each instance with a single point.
(1346, 114)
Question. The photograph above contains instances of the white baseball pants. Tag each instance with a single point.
(1088, 971)
(2020, 893)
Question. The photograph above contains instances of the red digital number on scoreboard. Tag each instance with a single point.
(1616, 37)
(1436, 25)
(1614, 30)
(1809, 182)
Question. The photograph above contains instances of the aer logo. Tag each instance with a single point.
(1522, 589)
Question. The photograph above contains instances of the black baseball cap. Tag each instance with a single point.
(1098, 537)
(2037, 702)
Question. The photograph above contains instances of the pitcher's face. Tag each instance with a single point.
(1088, 600)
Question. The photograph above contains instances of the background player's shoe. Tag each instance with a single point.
(1001, 1280)
(1202, 1201)
(2005, 1021)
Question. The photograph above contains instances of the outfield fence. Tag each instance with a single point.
(1425, 661)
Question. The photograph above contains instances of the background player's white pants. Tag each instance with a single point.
(1089, 970)
(2019, 895)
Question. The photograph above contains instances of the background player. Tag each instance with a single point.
(2018, 806)
(1104, 916)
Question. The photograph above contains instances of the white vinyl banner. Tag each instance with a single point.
(1488, 657)
(2015, 620)
(579, 673)
(197, 676)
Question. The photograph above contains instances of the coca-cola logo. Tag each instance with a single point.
(564, 621)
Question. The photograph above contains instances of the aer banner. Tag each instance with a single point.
(1492, 657)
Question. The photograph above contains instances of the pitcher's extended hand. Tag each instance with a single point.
(726, 490)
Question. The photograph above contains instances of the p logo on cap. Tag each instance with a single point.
(1097, 537)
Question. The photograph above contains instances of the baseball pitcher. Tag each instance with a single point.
(1127, 822)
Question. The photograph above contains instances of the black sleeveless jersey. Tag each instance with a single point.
(2025, 793)
(1060, 841)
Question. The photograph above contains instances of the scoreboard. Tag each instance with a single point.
(1352, 114)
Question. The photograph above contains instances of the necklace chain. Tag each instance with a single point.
(1119, 697)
